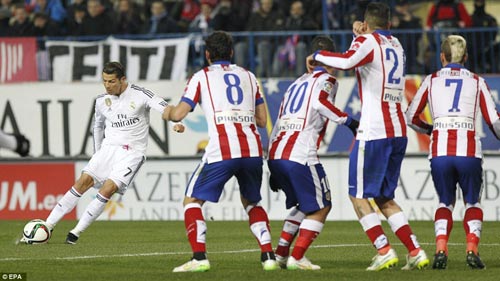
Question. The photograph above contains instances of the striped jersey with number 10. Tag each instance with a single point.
(228, 95)
(379, 61)
(455, 96)
(304, 112)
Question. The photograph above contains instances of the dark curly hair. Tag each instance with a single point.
(219, 44)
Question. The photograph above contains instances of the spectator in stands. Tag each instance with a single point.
(447, 14)
(482, 43)
(75, 20)
(403, 18)
(190, 9)
(6, 8)
(232, 15)
(129, 19)
(265, 19)
(44, 26)
(160, 22)
(70, 9)
(355, 13)
(203, 24)
(20, 25)
(314, 11)
(98, 21)
(53, 8)
(290, 57)
(203, 21)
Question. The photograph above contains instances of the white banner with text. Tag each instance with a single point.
(152, 60)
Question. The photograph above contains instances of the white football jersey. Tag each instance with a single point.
(228, 95)
(380, 70)
(305, 109)
(125, 118)
(455, 95)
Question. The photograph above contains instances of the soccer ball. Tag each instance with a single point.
(36, 232)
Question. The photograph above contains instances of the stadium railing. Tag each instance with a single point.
(422, 47)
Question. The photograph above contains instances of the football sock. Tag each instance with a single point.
(290, 229)
(400, 227)
(473, 221)
(373, 228)
(196, 229)
(259, 225)
(8, 141)
(64, 206)
(443, 223)
(309, 230)
(93, 211)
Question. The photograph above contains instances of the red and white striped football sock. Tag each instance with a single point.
(473, 221)
(400, 227)
(289, 231)
(259, 225)
(373, 228)
(309, 230)
(196, 227)
(443, 224)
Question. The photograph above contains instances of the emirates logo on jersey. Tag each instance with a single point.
(108, 102)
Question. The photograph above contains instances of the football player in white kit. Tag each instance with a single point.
(375, 161)
(121, 127)
(455, 96)
(231, 100)
(293, 160)
(15, 142)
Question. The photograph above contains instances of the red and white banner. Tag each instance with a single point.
(18, 60)
(31, 190)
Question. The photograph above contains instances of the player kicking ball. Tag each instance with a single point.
(121, 127)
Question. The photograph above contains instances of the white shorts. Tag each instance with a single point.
(116, 163)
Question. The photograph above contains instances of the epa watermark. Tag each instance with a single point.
(13, 276)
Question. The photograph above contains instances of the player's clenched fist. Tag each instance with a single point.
(179, 128)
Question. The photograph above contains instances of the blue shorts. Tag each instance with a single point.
(447, 171)
(208, 180)
(374, 167)
(305, 186)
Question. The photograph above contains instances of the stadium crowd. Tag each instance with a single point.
(276, 56)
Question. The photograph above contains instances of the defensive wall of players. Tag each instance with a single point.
(57, 118)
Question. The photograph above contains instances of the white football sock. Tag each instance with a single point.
(93, 211)
(7, 141)
(64, 206)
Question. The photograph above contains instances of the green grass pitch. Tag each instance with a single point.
(150, 250)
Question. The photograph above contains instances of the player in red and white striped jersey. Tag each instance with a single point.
(307, 106)
(234, 107)
(455, 97)
(375, 161)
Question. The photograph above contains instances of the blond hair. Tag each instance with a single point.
(454, 48)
